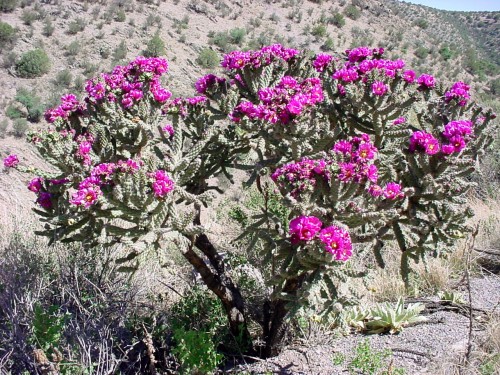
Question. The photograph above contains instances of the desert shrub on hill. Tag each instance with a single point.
(32, 64)
(7, 33)
(347, 152)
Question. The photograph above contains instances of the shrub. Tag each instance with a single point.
(4, 124)
(328, 45)
(76, 26)
(31, 102)
(155, 47)
(7, 34)
(20, 127)
(48, 28)
(13, 112)
(337, 19)
(8, 5)
(9, 59)
(208, 58)
(352, 12)
(446, 53)
(339, 170)
(237, 36)
(73, 49)
(421, 52)
(422, 23)
(29, 16)
(120, 52)
(34, 63)
(63, 79)
(318, 31)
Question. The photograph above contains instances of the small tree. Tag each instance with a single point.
(342, 155)
(34, 63)
(155, 47)
(7, 34)
(207, 58)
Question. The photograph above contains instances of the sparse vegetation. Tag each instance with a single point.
(106, 318)
(33, 64)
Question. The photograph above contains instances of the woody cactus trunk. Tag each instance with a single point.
(347, 151)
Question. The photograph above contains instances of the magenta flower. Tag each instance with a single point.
(304, 228)
(44, 200)
(399, 121)
(426, 81)
(35, 185)
(393, 191)
(409, 76)
(322, 61)
(162, 183)
(375, 191)
(359, 53)
(169, 129)
(86, 196)
(422, 141)
(337, 241)
(10, 161)
(129, 165)
(460, 92)
(379, 88)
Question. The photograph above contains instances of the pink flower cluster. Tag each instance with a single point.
(459, 92)
(336, 240)
(426, 81)
(130, 83)
(422, 141)
(255, 59)
(168, 129)
(69, 105)
(282, 103)
(11, 161)
(301, 176)
(399, 121)
(456, 135)
(162, 183)
(44, 198)
(89, 190)
(321, 62)
(84, 143)
(359, 154)
(361, 53)
(206, 82)
(379, 88)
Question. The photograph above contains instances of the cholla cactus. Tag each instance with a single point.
(359, 151)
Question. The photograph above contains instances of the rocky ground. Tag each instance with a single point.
(429, 348)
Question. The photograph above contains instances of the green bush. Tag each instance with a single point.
(446, 53)
(422, 23)
(337, 19)
(328, 45)
(237, 36)
(13, 112)
(20, 127)
(32, 103)
(7, 33)
(208, 58)
(48, 28)
(421, 52)
(76, 26)
(8, 5)
(4, 124)
(120, 52)
(29, 17)
(155, 47)
(34, 63)
(63, 79)
(352, 12)
(72, 49)
(318, 31)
